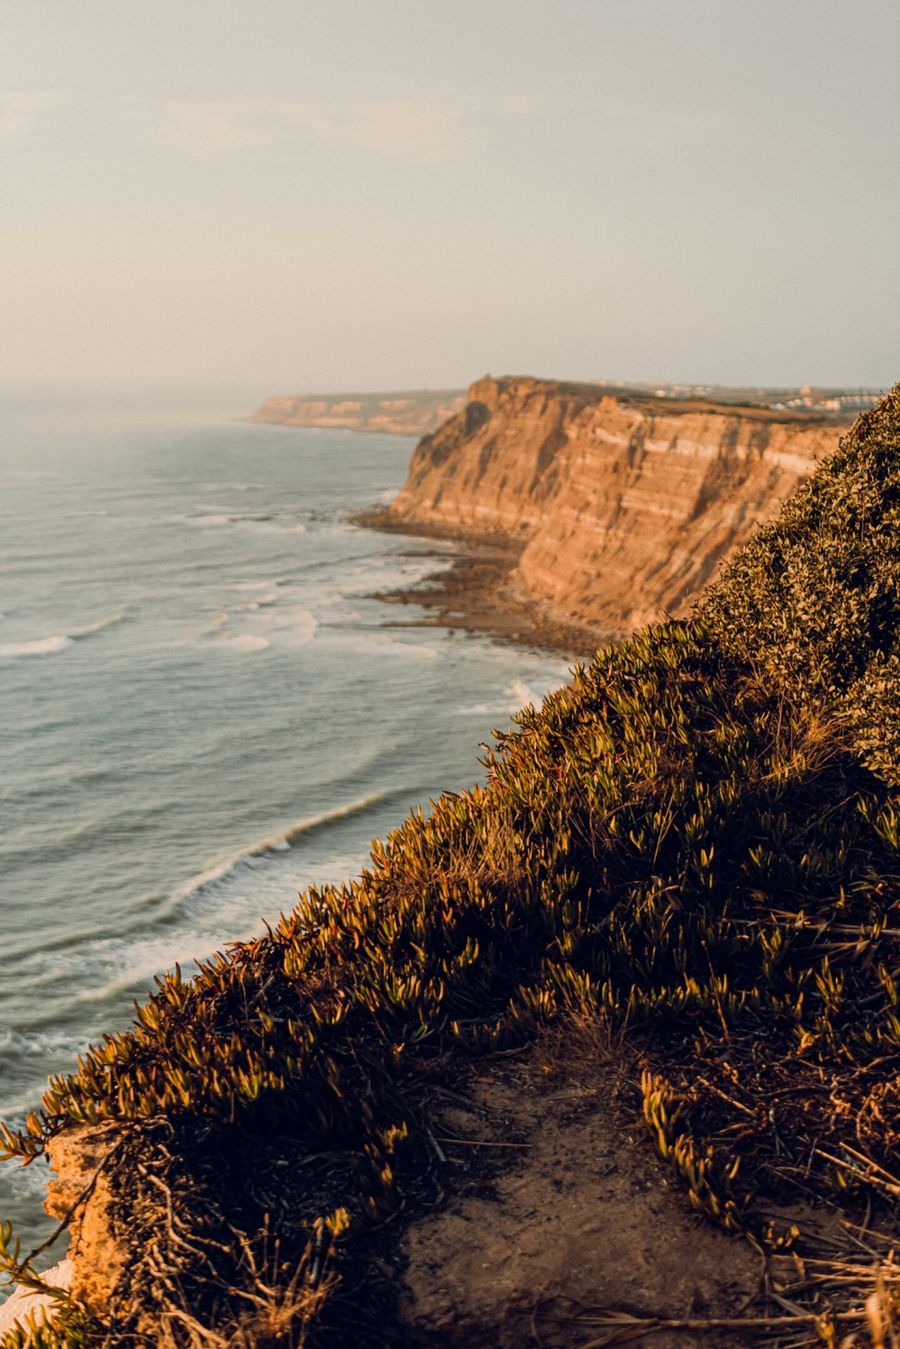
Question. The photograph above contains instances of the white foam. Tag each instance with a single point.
(99, 626)
(137, 964)
(270, 524)
(259, 519)
(298, 624)
(524, 696)
(418, 649)
(247, 641)
(37, 1042)
(51, 646)
(375, 643)
(42, 646)
(204, 521)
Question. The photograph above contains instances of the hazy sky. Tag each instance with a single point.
(340, 194)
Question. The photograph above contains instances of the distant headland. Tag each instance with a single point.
(411, 413)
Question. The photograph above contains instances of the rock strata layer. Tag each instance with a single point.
(623, 506)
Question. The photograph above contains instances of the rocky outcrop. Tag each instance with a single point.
(401, 414)
(81, 1195)
(624, 506)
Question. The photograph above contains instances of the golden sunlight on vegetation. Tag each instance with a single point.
(694, 845)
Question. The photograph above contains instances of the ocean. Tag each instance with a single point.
(203, 707)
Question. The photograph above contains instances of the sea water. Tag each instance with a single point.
(203, 706)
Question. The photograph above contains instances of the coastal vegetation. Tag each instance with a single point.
(692, 848)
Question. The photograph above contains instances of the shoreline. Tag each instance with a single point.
(253, 420)
(474, 593)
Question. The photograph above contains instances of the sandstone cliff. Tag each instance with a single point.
(623, 506)
(403, 414)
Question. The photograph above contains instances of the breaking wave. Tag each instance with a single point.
(247, 641)
(523, 695)
(59, 641)
(100, 626)
(274, 843)
(42, 646)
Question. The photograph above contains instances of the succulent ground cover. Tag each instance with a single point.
(693, 845)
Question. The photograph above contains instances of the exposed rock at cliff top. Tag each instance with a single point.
(623, 506)
(402, 414)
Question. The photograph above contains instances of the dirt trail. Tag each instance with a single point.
(578, 1215)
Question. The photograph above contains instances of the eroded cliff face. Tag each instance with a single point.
(403, 414)
(624, 506)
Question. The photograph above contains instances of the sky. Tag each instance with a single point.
(318, 195)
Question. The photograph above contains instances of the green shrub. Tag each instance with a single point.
(815, 597)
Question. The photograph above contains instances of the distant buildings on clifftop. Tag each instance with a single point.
(840, 402)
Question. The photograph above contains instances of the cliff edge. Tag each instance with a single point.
(622, 506)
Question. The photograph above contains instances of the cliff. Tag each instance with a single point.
(480, 1093)
(623, 506)
(401, 414)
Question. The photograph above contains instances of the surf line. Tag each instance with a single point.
(274, 843)
(50, 646)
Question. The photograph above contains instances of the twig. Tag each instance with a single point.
(481, 1143)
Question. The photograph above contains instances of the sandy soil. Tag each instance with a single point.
(579, 1216)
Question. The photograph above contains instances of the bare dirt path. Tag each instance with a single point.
(577, 1215)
